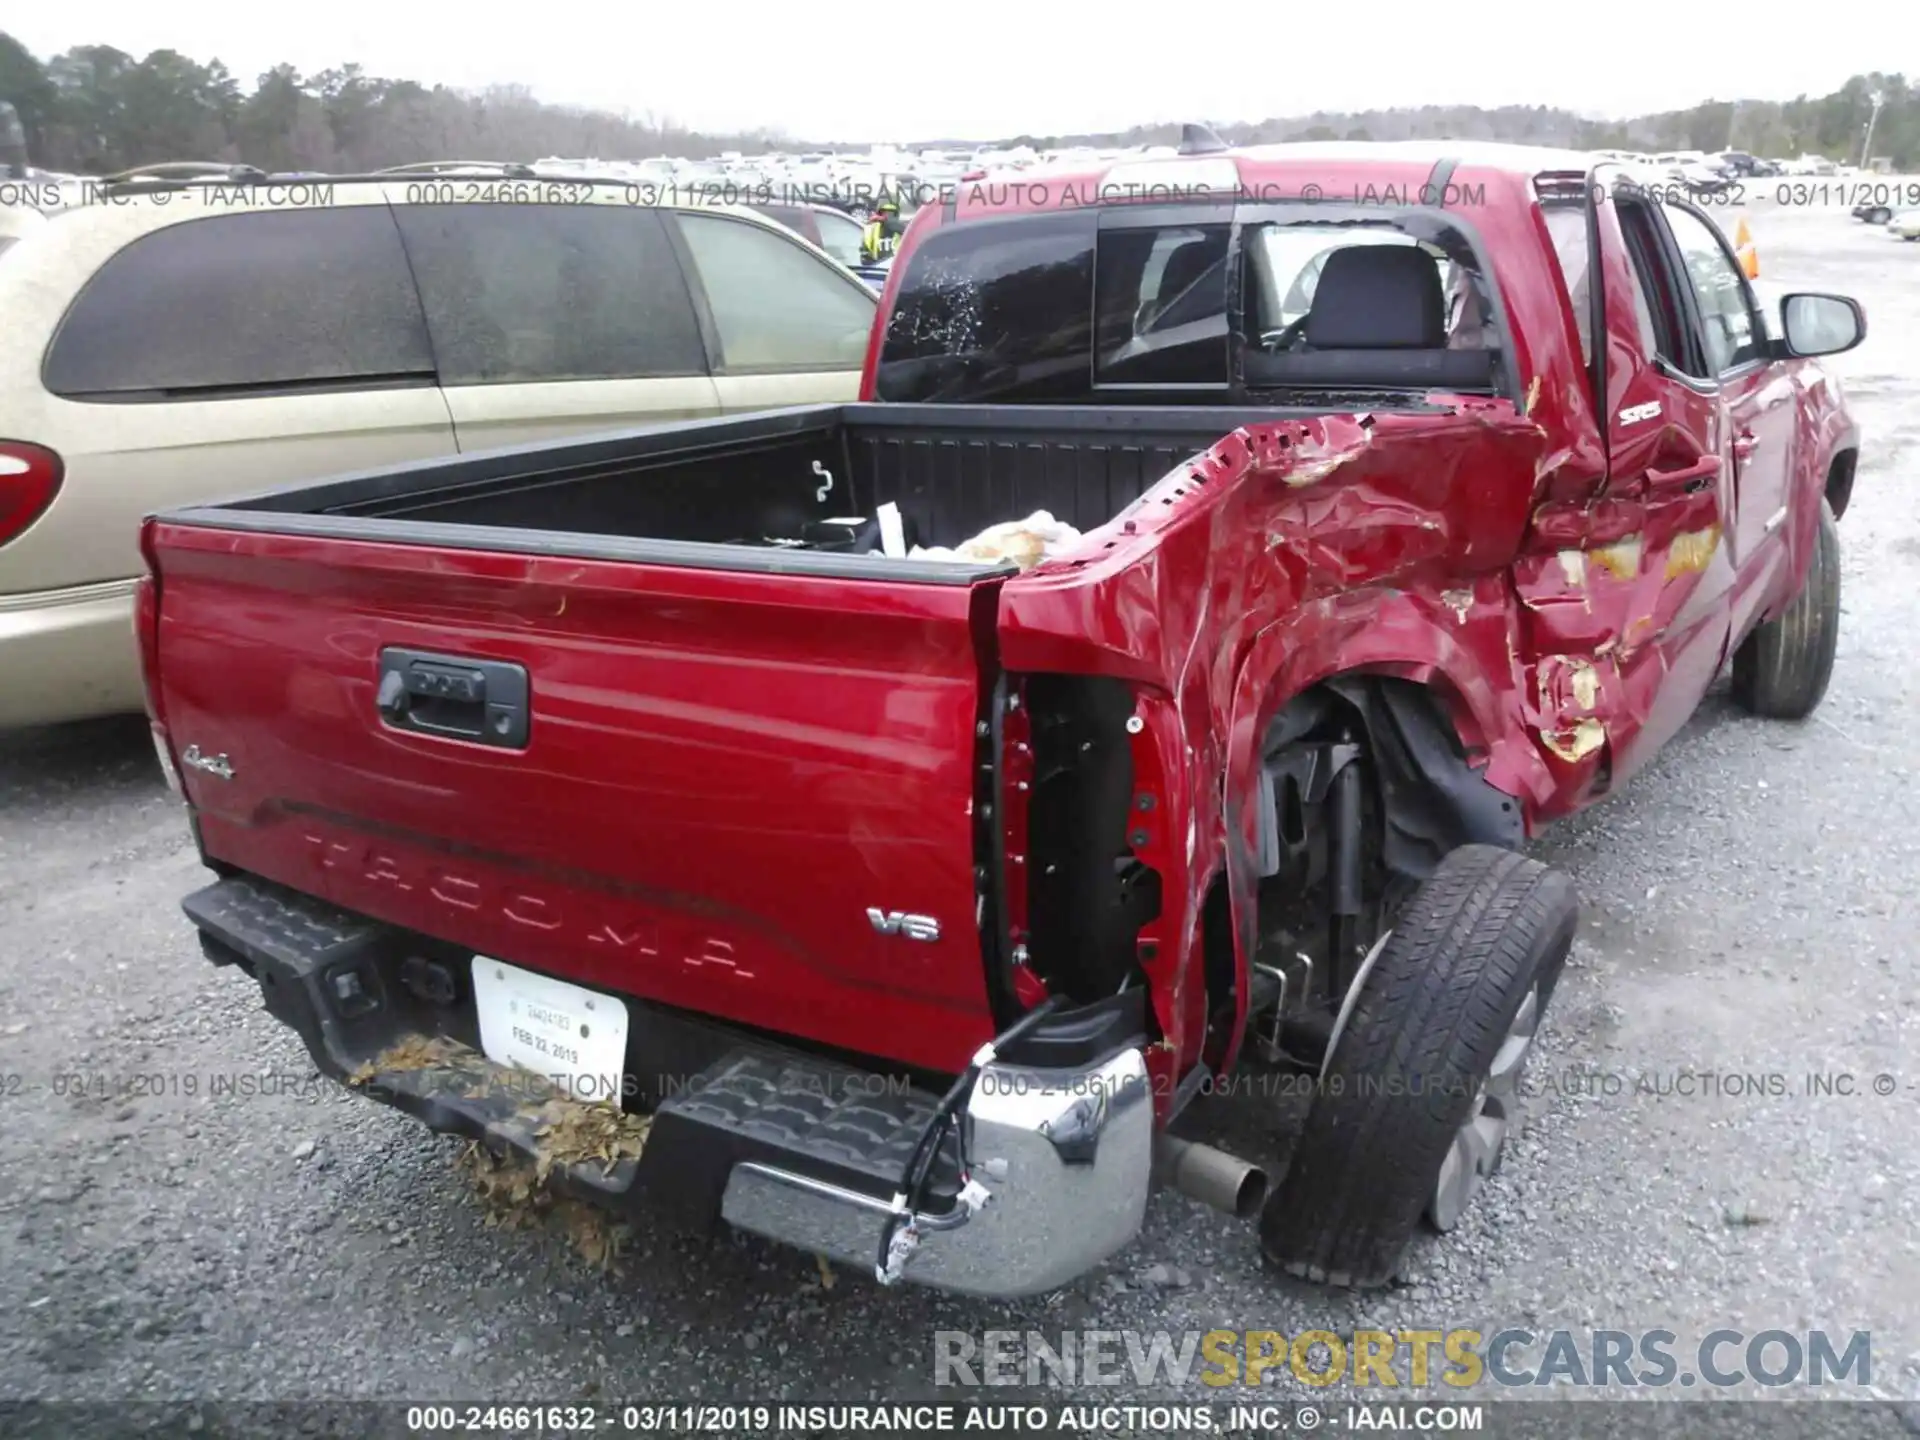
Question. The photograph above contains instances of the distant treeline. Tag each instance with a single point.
(1831, 125)
(95, 110)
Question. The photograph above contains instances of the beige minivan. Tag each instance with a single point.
(186, 341)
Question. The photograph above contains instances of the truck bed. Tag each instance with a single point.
(740, 494)
(587, 709)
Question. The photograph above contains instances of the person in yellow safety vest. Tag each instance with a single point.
(882, 235)
(1743, 248)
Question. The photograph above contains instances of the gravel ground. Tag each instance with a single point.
(1743, 901)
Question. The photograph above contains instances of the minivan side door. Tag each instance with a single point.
(783, 324)
(555, 319)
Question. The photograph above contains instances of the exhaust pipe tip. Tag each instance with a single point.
(1251, 1196)
(1213, 1177)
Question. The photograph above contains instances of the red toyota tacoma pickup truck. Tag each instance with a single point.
(898, 906)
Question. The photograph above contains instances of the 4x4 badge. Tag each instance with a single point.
(212, 764)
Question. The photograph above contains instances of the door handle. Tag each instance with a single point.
(1744, 444)
(1696, 476)
(484, 701)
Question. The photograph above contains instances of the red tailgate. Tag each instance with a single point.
(723, 773)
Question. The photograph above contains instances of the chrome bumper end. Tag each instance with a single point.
(1059, 1166)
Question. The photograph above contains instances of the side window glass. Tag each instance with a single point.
(518, 294)
(1656, 305)
(775, 306)
(1643, 311)
(1732, 337)
(790, 216)
(839, 236)
(1568, 227)
(246, 304)
(1160, 306)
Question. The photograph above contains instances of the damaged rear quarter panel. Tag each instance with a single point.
(1288, 553)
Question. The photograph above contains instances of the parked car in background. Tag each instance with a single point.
(1906, 225)
(1874, 212)
(199, 339)
(1741, 165)
(1703, 177)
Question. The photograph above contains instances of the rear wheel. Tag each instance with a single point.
(1781, 670)
(1418, 1093)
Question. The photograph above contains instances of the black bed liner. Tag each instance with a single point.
(709, 493)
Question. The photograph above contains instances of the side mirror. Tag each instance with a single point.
(1813, 324)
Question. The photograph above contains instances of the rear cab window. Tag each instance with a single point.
(994, 310)
(1155, 302)
(1160, 297)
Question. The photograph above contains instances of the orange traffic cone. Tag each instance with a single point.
(1743, 247)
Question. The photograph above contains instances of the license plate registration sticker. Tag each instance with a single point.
(572, 1036)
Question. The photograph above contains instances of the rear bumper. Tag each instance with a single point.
(68, 655)
(1065, 1159)
(798, 1148)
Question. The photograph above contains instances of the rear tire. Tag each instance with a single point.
(1781, 670)
(1474, 956)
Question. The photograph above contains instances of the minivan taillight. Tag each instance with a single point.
(29, 479)
(146, 625)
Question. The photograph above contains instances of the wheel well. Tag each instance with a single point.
(1840, 481)
(1429, 796)
(1364, 787)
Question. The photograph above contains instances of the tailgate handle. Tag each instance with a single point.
(484, 701)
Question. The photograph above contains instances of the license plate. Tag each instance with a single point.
(574, 1037)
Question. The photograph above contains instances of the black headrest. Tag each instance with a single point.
(1378, 297)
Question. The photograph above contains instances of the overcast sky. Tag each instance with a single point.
(901, 69)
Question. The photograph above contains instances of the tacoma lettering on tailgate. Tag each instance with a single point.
(635, 935)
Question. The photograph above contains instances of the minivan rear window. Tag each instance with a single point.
(246, 304)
